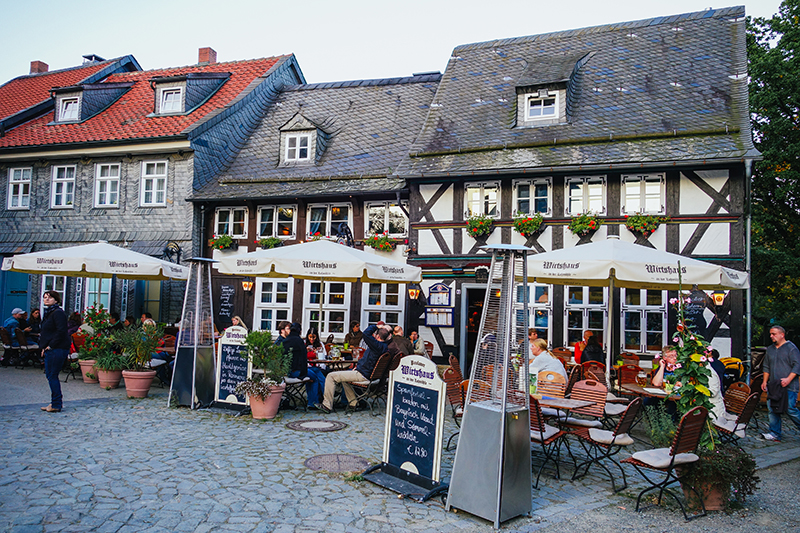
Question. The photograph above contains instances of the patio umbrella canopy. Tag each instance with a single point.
(320, 260)
(98, 260)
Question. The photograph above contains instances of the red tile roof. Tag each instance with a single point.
(26, 91)
(127, 118)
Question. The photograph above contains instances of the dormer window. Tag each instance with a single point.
(297, 147)
(542, 105)
(69, 109)
(171, 100)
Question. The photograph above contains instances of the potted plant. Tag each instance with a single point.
(138, 345)
(109, 365)
(381, 242)
(584, 224)
(269, 242)
(528, 225)
(643, 224)
(265, 390)
(725, 474)
(479, 225)
(223, 242)
(95, 344)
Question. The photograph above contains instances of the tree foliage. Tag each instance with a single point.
(774, 69)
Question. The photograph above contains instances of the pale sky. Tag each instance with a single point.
(332, 39)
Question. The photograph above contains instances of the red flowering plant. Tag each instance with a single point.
(221, 242)
(527, 225)
(268, 242)
(644, 224)
(584, 224)
(380, 241)
(479, 225)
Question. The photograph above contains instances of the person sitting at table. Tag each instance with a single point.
(116, 325)
(129, 322)
(12, 323)
(283, 331)
(545, 361)
(314, 348)
(35, 324)
(376, 339)
(666, 369)
(581, 345)
(237, 321)
(294, 346)
(419, 346)
(532, 336)
(400, 343)
(73, 323)
(593, 351)
(355, 335)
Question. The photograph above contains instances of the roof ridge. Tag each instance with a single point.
(63, 70)
(376, 82)
(667, 19)
(255, 60)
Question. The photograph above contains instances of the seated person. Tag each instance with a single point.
(419, 346)
(593, 351)
(400, 343)
(545, 361)
(355, 335)
(13, 322)
(115, 324)
(294, 346)
(666, 369)
(314, 348)
(35, 324)
(580, 345)
(73, 323)
(377, 340)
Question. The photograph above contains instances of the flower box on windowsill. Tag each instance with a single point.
(479, 226)
(223, 242)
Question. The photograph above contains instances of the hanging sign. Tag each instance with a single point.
(233, 366)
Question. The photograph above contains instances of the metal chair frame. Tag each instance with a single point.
(551, 447)
(743, 419)
(373, 390)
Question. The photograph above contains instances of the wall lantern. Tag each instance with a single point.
(719, 297)
(247, 284)
(413, 291)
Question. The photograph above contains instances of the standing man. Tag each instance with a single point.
(55, 343)
(781, 368)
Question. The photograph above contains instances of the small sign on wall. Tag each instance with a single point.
(441, 317)
(439, 295)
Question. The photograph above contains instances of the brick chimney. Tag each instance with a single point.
(37, 67)
(206, 56)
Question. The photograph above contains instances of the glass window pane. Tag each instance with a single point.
(655, 340)
(473, 196)
(336, 295)
(633, 340)
(632, 197)
(575, 320)
(314, 293)
(632, 297)
(336, 322)
(266, 216)
(317, 220)
(575, 295)
(596, 295)
(490, 200)
(654, 297)
(285, 222)
(393, 319)
(376, 215)
(595, 197)
(374, 297)
(373, 317)
(541, 294)
(523, 198)
(596, 320)
(397, 220)
(633, 320)
(575, 198)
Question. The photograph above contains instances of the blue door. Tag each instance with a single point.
(14, 293)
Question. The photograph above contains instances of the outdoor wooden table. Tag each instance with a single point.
(633, 388)
(331, 363)
(565, 404)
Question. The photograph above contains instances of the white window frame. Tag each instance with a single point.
(391, 314)
(97, 291)
(548, 182)
(63, 105)
(231, 211)
(329, 210)
(542, 97)
(642, 180)
(275, 209)
(588, 311)
(536, 308)
(298, 139)
(154, 180)
(163, 93)
(643, 309)
(62, 189)
(111, 183)
(311, 308)
(272, 310)
(51, 282)
(17, 184)
(586, 198)
(387, 207)
(481, 204)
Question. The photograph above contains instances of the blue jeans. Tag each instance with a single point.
(791, 410)
(315, 386)
(53, 363)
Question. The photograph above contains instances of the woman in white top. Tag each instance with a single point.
(544, 360)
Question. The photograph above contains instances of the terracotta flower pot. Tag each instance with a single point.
(137, 384)
(712, 496)
(109, 379)
(87, 367)
(267, 408)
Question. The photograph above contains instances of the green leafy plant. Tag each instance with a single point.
(644, 224)
(660, 424)
(138, 344)
(221, 242)
(380, 241)
(111, 360)
(527, 225)
(268, 357)
(732, 469)
(584, 224)
(269, 242)
(95, 346)
(97, 317)
(479, 225)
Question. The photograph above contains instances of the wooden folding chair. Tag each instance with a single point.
(395, 362)
(551, 384)
(629, 358)
(10, 352)
(563, 355)
(732, 429)
(548, 438)
(294, 393)
(666, 460)
(627, 373)
(28, 352)
(373, 390)
(455, 365)
(601, 445)
(588, 390)
(736, 396)
(428, 348)
(574, 376)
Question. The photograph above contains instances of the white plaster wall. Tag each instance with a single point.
(396, 254)
(427, 242)
(693, 201)
(570, 239)
(658, 238)
(442, 210)
(715, 241)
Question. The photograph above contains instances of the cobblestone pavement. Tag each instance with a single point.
(112, 464)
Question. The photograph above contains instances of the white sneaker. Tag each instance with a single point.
(770, 436)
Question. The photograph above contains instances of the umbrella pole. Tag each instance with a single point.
(321, 296)
(609, 329)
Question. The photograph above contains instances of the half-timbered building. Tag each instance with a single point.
(319, 165)
(638, 118)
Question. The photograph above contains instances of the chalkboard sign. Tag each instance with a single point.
(415, 418)
(227, 295)
(233, 366)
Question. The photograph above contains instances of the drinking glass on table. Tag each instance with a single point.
(641, 379)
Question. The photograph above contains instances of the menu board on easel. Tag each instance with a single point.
(233, 366)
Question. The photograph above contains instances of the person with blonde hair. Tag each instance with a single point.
(545, 361)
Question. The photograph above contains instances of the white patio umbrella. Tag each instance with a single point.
(321, 260)
(615, 263)
(98, 260)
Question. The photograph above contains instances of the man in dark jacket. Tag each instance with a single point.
(377, 344)
(400, 343)
(294, 345)
(55, 342)
(781, 368)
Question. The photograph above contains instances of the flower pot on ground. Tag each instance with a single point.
(139, 344)
(109, 366)
(273, 364)
(267, 408)
(88, 371)
(724, 474)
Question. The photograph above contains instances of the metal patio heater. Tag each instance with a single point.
(193, 377)
(491, 475)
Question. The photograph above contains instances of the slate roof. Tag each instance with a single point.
(664, 89)
(368, 126)
(127, 118)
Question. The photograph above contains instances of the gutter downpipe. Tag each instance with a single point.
(748, 175)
